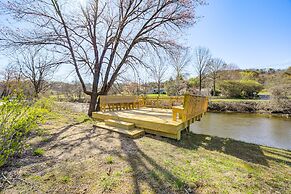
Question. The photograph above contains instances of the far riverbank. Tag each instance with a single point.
(251, 106)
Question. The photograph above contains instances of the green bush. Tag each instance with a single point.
(18, 118)
(38, 152)
(45, 103)
(240, 88)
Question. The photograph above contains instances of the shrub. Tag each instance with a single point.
(18, 118)
(38, 152)
(240, 88)
(279, 99)
(44, 103)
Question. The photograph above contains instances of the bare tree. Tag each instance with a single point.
(179, 61)
(215, 66)
(203, 57)
(102, 37)
(37, 67)
(10, 80)
(157, 71)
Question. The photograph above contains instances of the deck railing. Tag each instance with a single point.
(193, 107)
(113, 103)
(187, 107)
(161, 101)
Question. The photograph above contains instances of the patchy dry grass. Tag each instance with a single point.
(82, 159)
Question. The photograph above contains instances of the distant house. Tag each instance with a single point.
(264, 96)
(203, 92)
(156, 91)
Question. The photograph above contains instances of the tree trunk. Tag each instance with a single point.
(159, 87)
(93, 103)
(200, 83)
(214, 90)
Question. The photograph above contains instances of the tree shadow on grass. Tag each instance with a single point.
(27, 157)
(146, 170)
(138, 159)
(245, 151)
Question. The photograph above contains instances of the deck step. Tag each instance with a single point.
(119, 124)
(133, 133)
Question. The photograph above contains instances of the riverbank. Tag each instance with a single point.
(71, 156)
(250, 106)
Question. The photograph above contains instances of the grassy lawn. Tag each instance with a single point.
(75, 157)
(235, 100)
(155, 95)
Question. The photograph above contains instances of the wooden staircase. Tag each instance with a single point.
(122, 127)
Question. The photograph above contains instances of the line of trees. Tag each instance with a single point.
(101, 38)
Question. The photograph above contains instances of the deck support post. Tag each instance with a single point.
(188, 126)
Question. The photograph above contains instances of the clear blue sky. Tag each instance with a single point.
(249, 33)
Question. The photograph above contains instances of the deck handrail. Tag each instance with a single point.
(161, 101)
(193, 106)
(113, 103)
(190, 106)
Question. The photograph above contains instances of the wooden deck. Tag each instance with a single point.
(133, 116)
(153, 120)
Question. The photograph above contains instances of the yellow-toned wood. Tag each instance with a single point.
(177, 110)
(120, 124)
(133, 133)
(157, 115)
(193, 106)
(161, 101)
(147, 118)
(115, 103)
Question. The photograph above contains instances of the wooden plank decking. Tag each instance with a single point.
(152, 120)
(133, 133)
(158, 115)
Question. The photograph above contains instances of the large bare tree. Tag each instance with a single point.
(216, 65)
(179, 61)
(100, 38)
(38, 67)
(157, 70)
(203, 57)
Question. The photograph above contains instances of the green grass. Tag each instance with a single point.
(65, 179)
(116, 164)
(38, 152)
(155, 95)
(109, 182)
(211, 164)
(45, 139)
(109, 160)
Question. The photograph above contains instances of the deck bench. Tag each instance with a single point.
(113, 103)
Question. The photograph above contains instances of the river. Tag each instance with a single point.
(251, 128)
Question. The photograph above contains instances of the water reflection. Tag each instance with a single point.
(270, 131)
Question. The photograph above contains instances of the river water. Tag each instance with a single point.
(251, 128)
